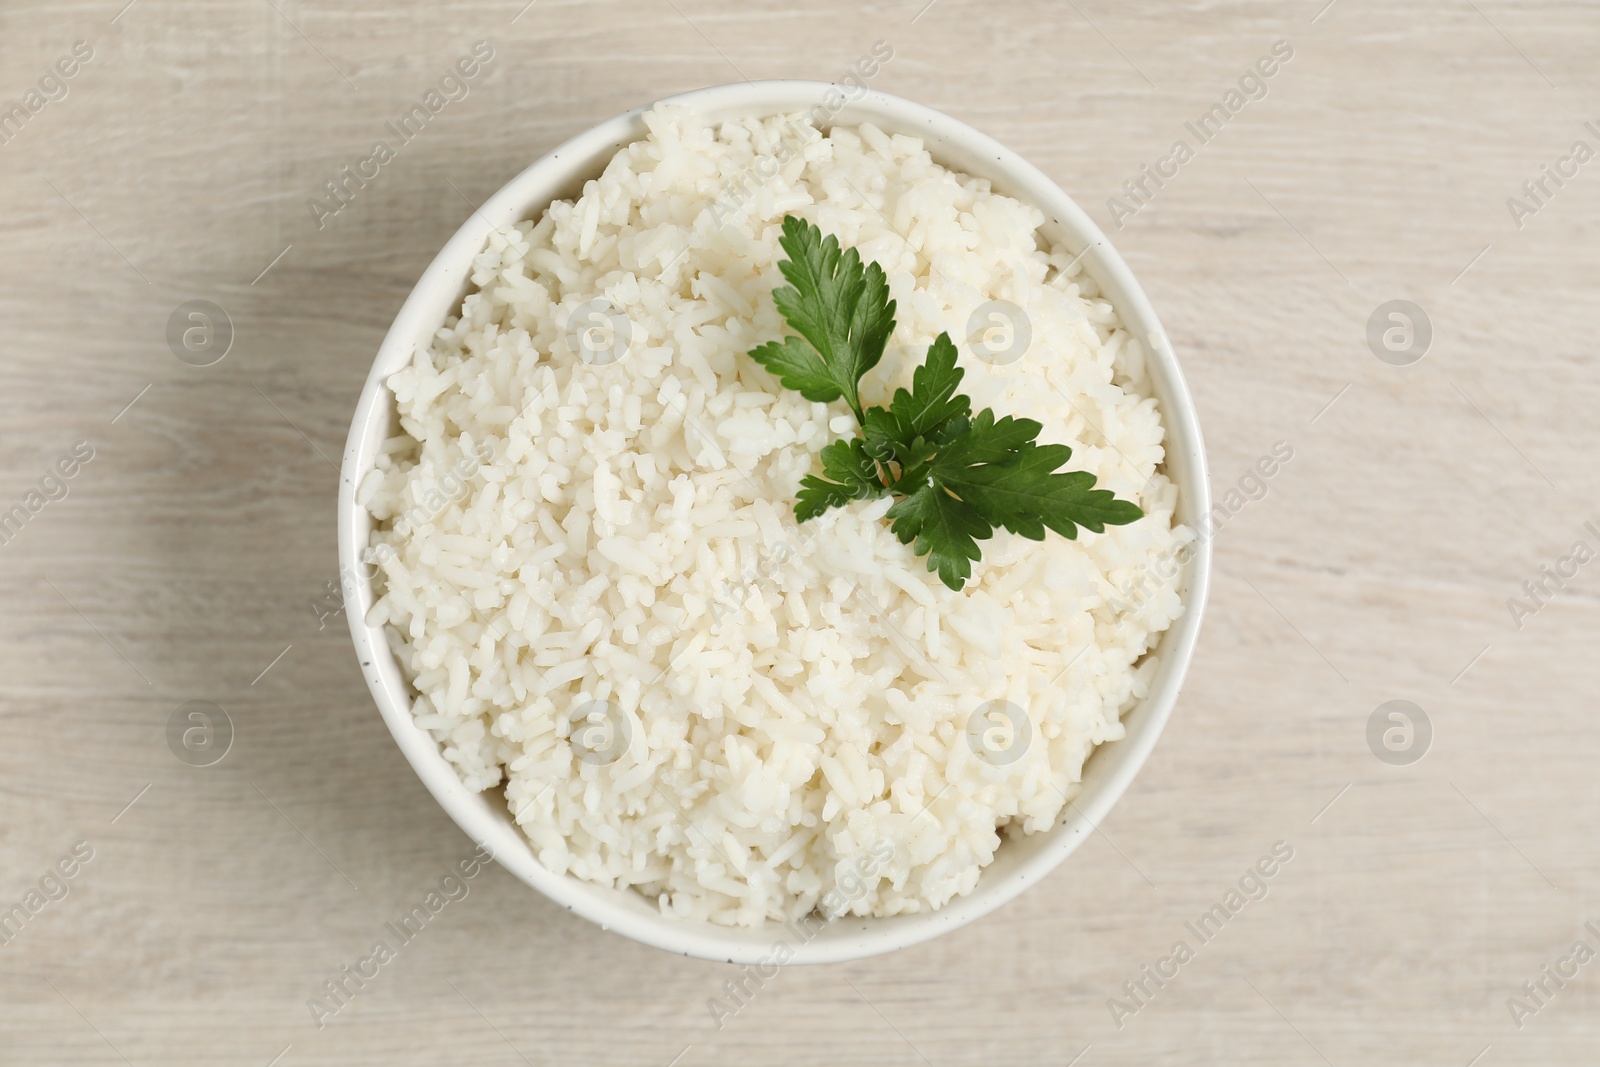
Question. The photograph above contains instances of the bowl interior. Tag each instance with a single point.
(485, 817)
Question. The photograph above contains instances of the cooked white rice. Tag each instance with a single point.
(555, 532)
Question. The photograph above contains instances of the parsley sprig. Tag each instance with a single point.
(959, 476)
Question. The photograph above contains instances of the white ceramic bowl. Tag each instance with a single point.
(484, 817)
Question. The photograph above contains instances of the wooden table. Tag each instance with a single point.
(190, 558)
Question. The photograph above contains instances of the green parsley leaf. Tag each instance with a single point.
(840, 309)
(854, 474)
(959, 476)
(947, 531)
(930, 405)
(990, 440)
(1026, 493)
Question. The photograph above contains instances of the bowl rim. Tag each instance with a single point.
(848, 938)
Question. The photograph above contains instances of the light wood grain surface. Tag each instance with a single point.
(191, 554)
